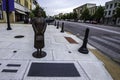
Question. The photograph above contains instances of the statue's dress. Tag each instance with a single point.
(39, 26)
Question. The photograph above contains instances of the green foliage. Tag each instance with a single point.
(99, 14)
(57, 18)
(74, 15)
(35, 11)
(63, 16)
(91, 17)
(85, 15)
(31, 15)
(44, 14)
(69, 16)
(118, 11)
(117, 15)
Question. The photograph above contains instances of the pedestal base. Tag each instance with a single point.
(83, 50)
(39, 55)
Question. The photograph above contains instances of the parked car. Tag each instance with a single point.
(94, 22)
(80, 21)
(87, 21)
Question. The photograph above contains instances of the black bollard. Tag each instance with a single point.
(48, 23)
(55, 23)
(58, 25)
(62, 28)
(83, 49)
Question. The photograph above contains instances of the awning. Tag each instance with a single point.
(21, 12)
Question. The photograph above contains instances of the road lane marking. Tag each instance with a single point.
(101, 29)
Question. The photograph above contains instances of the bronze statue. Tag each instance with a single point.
(39, 27)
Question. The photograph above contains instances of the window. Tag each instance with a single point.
(80, 11)
(26, 3)
(113, 11)
(115, 5)
(107, 6)
(1, 13)
(105, 13)
(109, 13)
(111, 5)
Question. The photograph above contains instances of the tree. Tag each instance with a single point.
(91, 17)
(44, 14)
(75, 15)
(69, 16)
(99, 14)
(35, 11)
(31, 15)
(85, 15)
(64, 16)
(118, 11)
(117, 15)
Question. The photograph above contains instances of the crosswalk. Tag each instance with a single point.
(109, 45)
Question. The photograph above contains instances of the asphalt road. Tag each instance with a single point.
(104, 38)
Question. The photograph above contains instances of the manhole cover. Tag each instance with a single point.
(19, 36)
(53, 70)
(71, 40)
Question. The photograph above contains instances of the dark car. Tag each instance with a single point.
(49, 20)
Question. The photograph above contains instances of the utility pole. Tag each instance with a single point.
(7, 13)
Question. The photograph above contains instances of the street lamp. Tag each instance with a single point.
(7, 13)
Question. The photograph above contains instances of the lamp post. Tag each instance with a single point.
(7, 13)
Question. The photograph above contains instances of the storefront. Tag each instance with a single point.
(20, 12)
(1, 12)
(19, 15)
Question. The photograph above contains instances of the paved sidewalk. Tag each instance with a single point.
(16, 55)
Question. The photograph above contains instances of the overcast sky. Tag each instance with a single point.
(53, 7)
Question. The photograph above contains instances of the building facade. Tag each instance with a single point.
(92, 10)
(2, 14)
(110, 11)
(80, 9)
(22, 10)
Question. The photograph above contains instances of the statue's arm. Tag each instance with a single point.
(33, 25)
(45, 25)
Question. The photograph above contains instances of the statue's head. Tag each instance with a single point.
(39, 13)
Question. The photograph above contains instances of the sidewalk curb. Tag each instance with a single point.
(112, 67)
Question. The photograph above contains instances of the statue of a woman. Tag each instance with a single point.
(39, 27)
